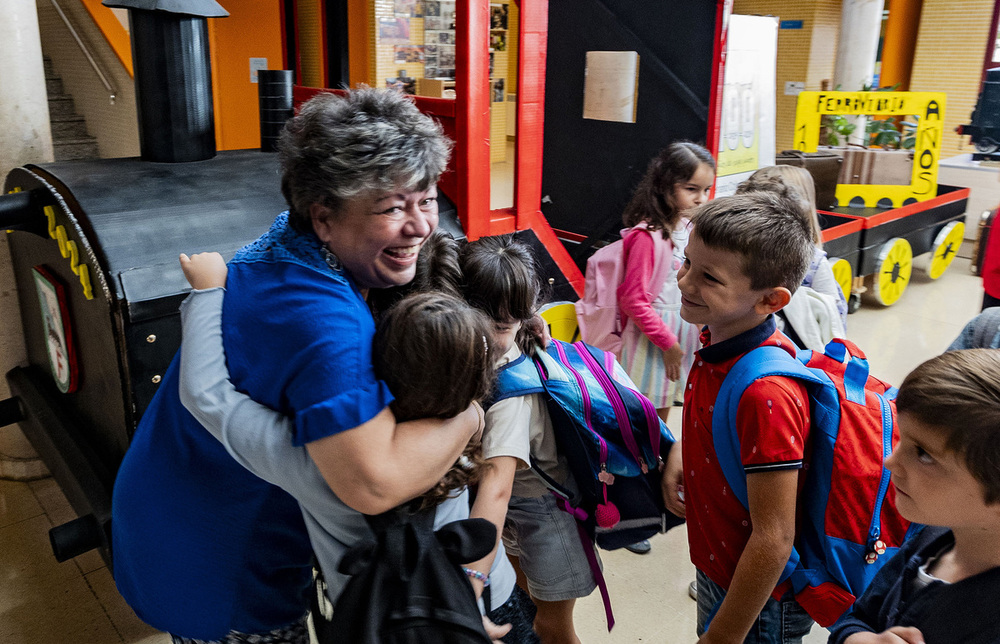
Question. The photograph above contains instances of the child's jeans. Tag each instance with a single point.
(780, 622)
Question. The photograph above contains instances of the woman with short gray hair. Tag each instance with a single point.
(204, 549)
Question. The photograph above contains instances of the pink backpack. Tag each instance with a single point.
(601, 322)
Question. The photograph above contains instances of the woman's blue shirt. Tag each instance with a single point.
(201, 545)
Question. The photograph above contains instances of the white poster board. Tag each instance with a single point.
(746, 139)
(610, 86)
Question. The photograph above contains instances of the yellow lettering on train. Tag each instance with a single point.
(69, 249)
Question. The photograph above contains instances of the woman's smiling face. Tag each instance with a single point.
(378, 236)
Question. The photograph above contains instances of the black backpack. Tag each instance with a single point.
(407, 585)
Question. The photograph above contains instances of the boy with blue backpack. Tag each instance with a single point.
(757, 444)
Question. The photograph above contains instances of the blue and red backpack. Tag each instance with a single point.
(848, 525)
(611, 438)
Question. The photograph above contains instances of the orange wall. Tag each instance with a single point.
(252, 30)
(360, 41)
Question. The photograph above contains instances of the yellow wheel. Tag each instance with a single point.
(843, 274)
(561, 318)
(895, 263)
(945, 248)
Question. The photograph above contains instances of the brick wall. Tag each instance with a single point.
(949, 59)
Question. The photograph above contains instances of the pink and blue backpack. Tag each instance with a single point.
(612, 440)
(848, 522)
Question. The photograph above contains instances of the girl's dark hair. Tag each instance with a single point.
(438, 268)
(436, 354)
(653, 200)
(500, 279)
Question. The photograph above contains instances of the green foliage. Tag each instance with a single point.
(887, 135)
(835, 126)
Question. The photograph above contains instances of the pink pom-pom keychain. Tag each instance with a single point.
(607, 514)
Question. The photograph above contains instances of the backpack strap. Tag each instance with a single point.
(565, 502)
(759, 363)
(517, 378)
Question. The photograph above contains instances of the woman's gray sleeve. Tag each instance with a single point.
(258, 437)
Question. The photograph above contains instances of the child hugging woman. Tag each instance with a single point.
(435, 353)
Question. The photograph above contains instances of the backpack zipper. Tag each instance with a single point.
(652, 419)
(621, 414)
(875, 530)
(586, 406)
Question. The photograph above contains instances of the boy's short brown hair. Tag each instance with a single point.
(766, 229)
(959, 393)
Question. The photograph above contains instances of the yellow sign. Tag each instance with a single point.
(929, 106)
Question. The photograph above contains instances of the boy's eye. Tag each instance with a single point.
(923, 456)
(711, 278)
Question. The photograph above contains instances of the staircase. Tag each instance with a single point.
(69, 131)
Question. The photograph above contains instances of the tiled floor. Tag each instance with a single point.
(44, 602)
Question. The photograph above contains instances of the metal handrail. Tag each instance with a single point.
(86, 52)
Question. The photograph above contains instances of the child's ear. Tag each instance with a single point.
(773, 300)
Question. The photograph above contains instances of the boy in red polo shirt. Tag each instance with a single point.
(746, 256)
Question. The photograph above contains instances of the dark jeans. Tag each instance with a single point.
(518, 611)
(989, 301)
(781, 622)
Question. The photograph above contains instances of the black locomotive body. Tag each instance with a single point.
(984, 130)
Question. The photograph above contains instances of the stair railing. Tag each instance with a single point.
(86, 52)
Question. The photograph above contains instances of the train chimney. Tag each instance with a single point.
(173, 77)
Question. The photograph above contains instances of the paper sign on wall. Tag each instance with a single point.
(610, 86)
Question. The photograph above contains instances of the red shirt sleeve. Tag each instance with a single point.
(991, 262)
(773, 422)
(634, 298)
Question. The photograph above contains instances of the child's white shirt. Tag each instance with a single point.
(520, 427)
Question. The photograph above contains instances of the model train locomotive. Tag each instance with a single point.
(984, 131)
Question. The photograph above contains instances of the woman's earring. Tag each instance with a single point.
(331, 260)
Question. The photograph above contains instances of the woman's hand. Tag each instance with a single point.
(672, 361)
(204, 270)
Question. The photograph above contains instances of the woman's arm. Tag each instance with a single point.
(372, 468)
(381, 463)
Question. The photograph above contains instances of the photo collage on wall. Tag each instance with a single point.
(439, 39)
(498, 42)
